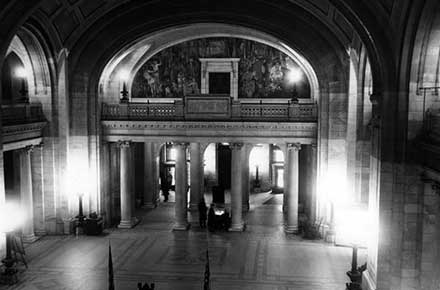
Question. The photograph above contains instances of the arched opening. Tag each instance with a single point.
(14, 81)
(259, 53)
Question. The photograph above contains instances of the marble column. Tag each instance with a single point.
(313, 175)
(236, 188)
(195, 172)
(245, 176)
(105, 183)
(127, 220)
(26, 198)
(38, 190)
(149, 185)
(292, 160)
(156, 173)
(181, 197)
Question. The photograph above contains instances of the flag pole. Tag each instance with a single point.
(111, 282)
(207, 278)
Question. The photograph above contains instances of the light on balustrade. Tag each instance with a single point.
(294, 75)
(424, 89)
(124, 75)
(11, 218)
(22, 73)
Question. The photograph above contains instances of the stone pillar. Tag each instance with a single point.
(429, 246)
(156, 173)
(127, 220)
(38, 190)
(292, 188)
(106, 194)
(313, 200)
(236, 188)
(26, 198)
(283, 148)
(149, 184)
(245, 176)
(181, 203)
(195, 172)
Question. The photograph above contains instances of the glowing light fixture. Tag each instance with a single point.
(11, 217)
(173, 154)
(124, 75)
(294, 75)
(21, 72)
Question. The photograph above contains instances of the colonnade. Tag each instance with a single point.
(27, 190)
(239, 183)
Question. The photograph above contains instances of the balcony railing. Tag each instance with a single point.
(431, 125)
(207, 108)
(22, 114)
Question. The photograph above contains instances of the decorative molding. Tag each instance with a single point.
(236, 146)
(124, 143)
(182, 145)
(161, 125)
(294, 146)
(18, 133)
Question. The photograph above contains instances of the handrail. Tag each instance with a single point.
(22, 113)
(239, 111)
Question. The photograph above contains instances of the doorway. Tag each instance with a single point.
(224, 165)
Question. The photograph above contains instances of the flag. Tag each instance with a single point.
(207, 273)
(111, 282)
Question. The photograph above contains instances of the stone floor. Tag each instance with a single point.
(262, 257)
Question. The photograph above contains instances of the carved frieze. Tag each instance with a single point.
(16, 133)
(232, 131)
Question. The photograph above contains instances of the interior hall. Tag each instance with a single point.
(250, 144)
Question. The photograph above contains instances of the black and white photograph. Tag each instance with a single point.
(220, 145)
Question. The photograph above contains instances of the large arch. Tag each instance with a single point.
(133, 57)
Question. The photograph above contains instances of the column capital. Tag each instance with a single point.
(434, 183)
(28, 149)
(436, 187)
(183, 145)
(236, 146)
(124, 143)
(294, 146)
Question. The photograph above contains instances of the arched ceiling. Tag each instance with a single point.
(376, 22)
(288, 22)
(131, 58)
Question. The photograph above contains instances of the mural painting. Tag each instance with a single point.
(175, 72)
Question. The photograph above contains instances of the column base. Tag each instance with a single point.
(128, 224)
(291, 229)
(68, 225)
(41, 233)
(193, 207)
(30, 238)
(149, 205)
(181, 227)
(368, 282)
(237, 228)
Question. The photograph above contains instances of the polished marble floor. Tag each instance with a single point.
(262, 257)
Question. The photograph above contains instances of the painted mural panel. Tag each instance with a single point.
(175, 71)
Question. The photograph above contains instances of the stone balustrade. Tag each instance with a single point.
(22, 125)
(211, 108)
(432, 125)
(22, 114)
